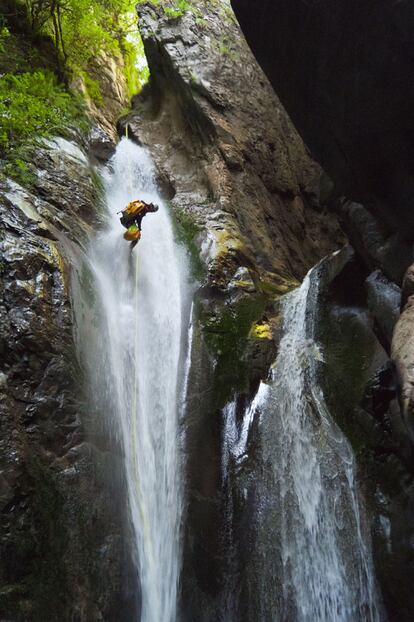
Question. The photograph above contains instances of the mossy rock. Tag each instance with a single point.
(226, 328)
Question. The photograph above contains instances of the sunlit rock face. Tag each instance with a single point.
(226, 150)
(342, 70)
(61, 545)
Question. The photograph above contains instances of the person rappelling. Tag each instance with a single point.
(132, 217)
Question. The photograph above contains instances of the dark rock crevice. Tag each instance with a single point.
(341, 71)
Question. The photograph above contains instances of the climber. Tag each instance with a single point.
(132, 217)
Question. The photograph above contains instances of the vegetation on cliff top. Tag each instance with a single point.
(177, 8)
(44, 46)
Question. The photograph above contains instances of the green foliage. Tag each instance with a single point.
(33, 104)
(35, 101)
(93, 88)
(186, 230)
(136, 69)
(181, 6)
(4, 35)
(84, 29)
(17, 169)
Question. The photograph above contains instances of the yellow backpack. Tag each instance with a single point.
(135, 208)
(132, 233)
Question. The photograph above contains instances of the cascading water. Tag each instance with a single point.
(312, 548)
(135, 354)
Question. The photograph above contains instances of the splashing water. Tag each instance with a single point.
(312, 550)
(327, 565)
(135, 354)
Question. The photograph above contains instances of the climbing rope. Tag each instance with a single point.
(141, 506)
(134, 422)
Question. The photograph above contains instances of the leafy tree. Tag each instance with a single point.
(34, 102)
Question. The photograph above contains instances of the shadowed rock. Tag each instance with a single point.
(343, 71)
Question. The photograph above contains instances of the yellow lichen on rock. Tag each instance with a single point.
(261, 330)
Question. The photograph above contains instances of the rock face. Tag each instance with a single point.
(375, 244)
(226, 150)
(107, 70)
(245, 195)
(356, 315)
(342, 71)
(352, 107)
(62, 544)
(403, 356)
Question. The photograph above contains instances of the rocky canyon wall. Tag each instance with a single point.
(342, 71)
(63, 546)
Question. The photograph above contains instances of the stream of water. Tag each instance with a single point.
(136, 357)
(312, 547)
(311, 560)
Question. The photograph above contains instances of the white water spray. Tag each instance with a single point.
(136, 362)
(326, 559)
(313, 552)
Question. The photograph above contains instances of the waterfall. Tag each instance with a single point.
(312, 547)
(133, 341)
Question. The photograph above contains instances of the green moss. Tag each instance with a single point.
(93, 88)
(186, 231)
(224, 48)
(4, 35)
(226, 330)
(228, 14)
(348, 348)
(201, 23)
(277, 289)
(180, 7)
(18, 170)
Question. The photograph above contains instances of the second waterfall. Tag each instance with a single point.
(135, 353)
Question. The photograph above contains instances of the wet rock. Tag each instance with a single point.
(221, 137)
(408, 285)
(361, 386)
(381, 389)
(101, 145)
(384, 300)
(403, 355)
(374, 242)
(62, 542)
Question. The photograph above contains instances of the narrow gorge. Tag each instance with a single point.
(215, 424)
